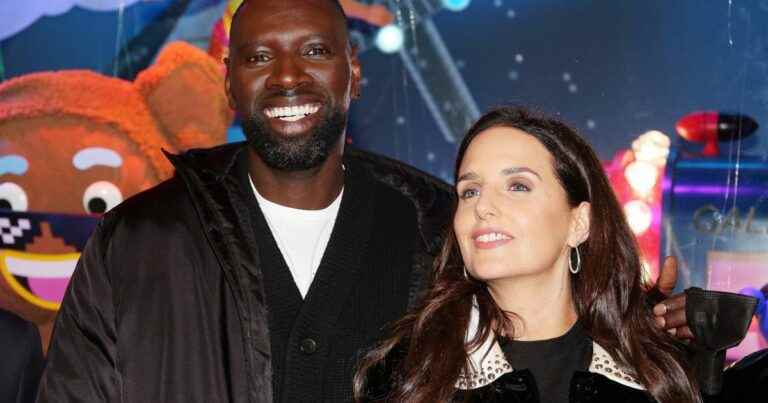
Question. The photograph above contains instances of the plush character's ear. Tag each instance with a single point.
(374, 14)
(184, 90)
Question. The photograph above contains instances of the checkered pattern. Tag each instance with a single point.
(10, 232)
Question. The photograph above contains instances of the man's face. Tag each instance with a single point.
(291, 76)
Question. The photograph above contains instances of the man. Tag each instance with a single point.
(260, 271)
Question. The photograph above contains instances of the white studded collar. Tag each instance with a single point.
(488, 363)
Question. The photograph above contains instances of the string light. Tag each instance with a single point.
(638, 215)
(390, 39)
(641, 176)
(456, 5)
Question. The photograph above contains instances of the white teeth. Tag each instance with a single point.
(291, 113)
(291, 118)
(492, 237)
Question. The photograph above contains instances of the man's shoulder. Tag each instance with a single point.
(170, 196)
(397, 173)
(163, 206)
(207, 162)
(162, 198)
(431, 197)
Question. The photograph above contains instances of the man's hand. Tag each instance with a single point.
(670, 313)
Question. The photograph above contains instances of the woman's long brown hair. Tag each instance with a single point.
(609, 293)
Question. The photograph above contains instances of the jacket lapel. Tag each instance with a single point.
(223, 213)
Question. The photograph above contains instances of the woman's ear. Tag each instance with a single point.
(580, 221)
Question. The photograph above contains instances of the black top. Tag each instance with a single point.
(551, 362)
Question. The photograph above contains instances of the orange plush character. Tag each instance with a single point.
(78, 142)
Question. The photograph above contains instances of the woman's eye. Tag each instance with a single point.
(518, 187)
(467, 193)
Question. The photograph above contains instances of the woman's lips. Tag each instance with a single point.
(490, 239)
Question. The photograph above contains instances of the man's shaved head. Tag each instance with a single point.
(334, 3)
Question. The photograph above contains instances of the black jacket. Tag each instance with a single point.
(744, 382)
(167, 303)
(22, 359)
(493, 380)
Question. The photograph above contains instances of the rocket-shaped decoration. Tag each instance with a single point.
(709, 127)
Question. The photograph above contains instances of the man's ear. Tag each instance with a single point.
(580, 223)
(183, 90)
(357, 72)
(227, 86)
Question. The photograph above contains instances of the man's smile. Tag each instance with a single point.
(292, 113)
(295, 117)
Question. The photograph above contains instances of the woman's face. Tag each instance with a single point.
(513, 218)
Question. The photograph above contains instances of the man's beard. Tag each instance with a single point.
(296, 153)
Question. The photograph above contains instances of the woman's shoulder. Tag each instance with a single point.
(520, 386)
(488, 364)
(604, 364)
(492, 378)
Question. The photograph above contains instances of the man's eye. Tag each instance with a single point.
(258, 58)
(317, 51)
(467, 193)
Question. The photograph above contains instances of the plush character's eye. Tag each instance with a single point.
(101, 197)
(13, 197)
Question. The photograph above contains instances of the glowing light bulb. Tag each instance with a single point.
(456, 5)
(641, 176)
(390, 39)
(639, 216)
(653, 147)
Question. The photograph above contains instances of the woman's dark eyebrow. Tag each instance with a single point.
(514, 170)
(504, 172)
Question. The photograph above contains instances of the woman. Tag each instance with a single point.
(538, 295)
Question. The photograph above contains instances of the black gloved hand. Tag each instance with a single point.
(718, 320)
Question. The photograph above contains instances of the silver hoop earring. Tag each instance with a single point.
(466, 272)
(577, 269)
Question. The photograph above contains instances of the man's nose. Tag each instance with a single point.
(288, 73)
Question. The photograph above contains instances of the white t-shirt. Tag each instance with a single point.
(301, 235)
